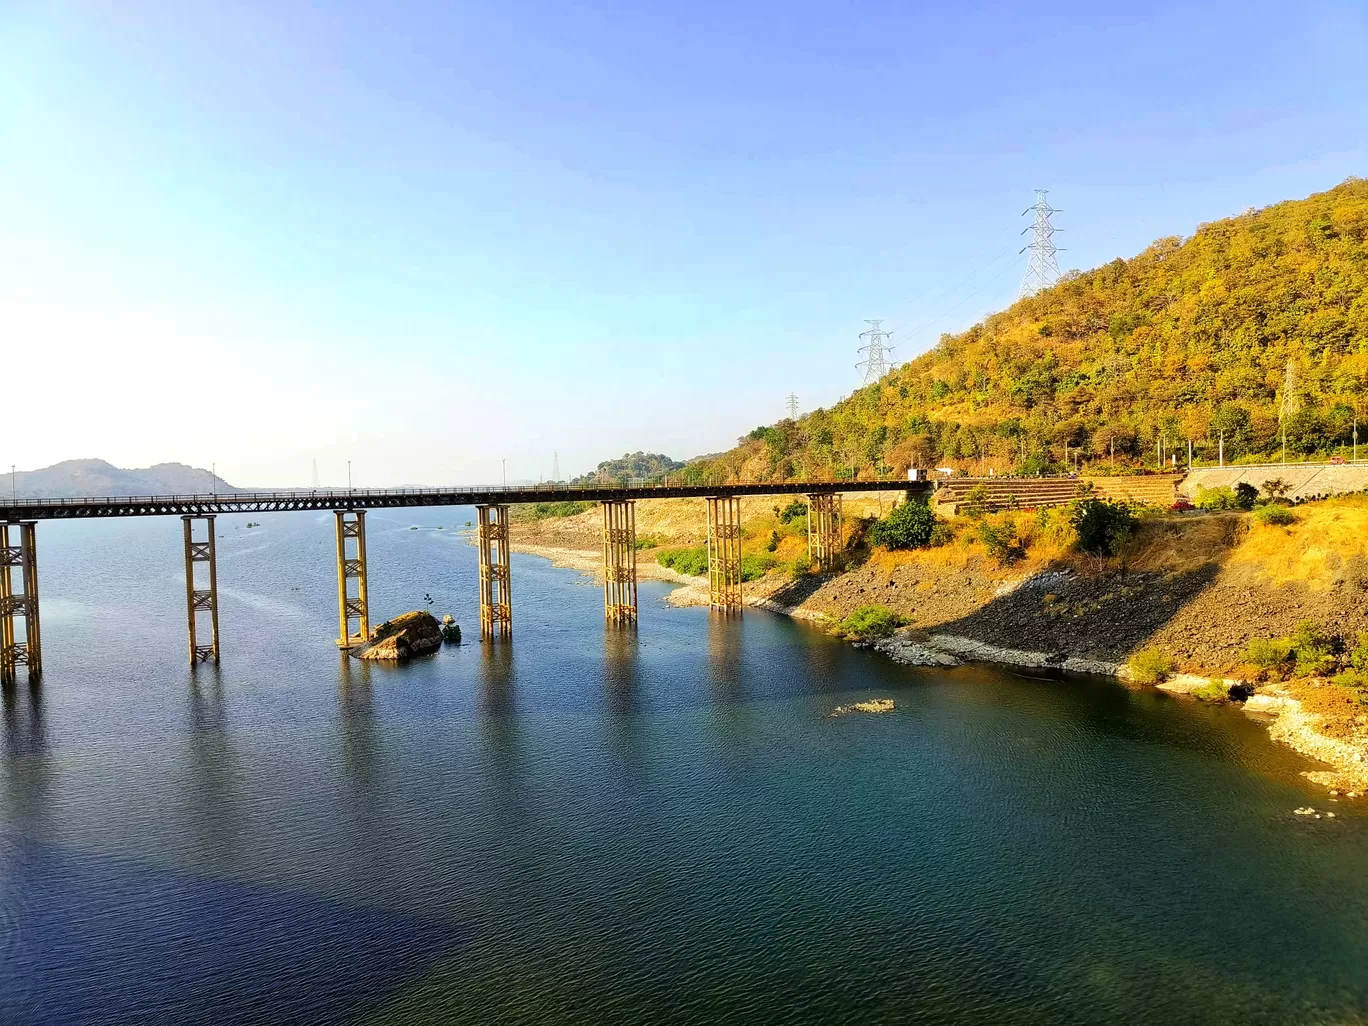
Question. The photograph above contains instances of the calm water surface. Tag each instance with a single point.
(603, 828)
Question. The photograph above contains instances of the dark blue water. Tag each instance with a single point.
(596, 827)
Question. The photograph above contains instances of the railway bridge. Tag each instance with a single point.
(21, 640)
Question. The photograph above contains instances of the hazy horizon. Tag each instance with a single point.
(427, 240)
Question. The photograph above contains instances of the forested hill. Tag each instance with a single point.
(1254, 321)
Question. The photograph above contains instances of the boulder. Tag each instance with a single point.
(405, 636)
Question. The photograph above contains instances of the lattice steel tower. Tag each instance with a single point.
(1042, 269)
(876, 352)
(792, 402)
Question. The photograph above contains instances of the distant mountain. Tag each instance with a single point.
(76, 478)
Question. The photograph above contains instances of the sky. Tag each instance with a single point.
(447, 240)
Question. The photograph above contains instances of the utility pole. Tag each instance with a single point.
(1220, 458)
(1189, 455)
(1042, 269)
(792, 406)
(315, 475)
(504, 463)
(349, 487)
(1355, 436)
(14, 481)
(555, 466)
(876, 350)
(213, 478)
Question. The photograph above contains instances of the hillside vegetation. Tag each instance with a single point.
(1254, 324)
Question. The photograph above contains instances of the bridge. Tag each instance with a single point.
(21, 641)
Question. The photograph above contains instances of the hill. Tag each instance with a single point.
(631, 465)
(73, 478)
(1253, 324)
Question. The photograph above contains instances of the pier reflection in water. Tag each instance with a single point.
(627, 825)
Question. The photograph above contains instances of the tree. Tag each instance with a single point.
(908, 526)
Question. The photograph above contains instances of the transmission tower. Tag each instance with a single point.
(876, 352)
(1042, 269)
(792, 406)
(315, 473)
(555, 466)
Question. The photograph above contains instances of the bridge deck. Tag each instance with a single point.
(394, 498)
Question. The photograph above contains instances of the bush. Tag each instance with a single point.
(1313, 650)
(753, 567)
(795, 510)
(1267, 653)
(569, 508)
(907, 527)
(1151, 665)
(1217, 498)
(871, 622)
(773, 542)
(1103, 527)
(801, 566)
(1001, 541)
(941, 534)
(1245, 495)
(976, 502)
(1276, 488)
(1274, 514)
(692, 562)
(1358, 657)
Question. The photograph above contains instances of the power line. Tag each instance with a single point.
(1042, 269)
(876, 350)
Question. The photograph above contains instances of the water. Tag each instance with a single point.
(606, 828)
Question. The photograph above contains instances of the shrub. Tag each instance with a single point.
(1245, 495)
(908, 526)
(753, 567)
(1151, 665)
(1217, 498)
(941, 534)
(1276, 488)
(1267, 653)
(773, 542)
(871, 622)
(1313, 650)
(1358, 657)
(976, 502)
(569, 508)
(1103, 527)
(1211, 691)
(692, 562)
(1001, 541)
(801, 566)
(795, 510)
(1274, 514)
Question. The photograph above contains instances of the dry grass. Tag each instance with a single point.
(1314, 550)
(1181, 544)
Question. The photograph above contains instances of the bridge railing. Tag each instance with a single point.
(351, 494)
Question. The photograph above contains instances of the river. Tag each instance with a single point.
(605, 827)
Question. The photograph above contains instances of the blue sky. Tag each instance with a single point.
(426, 237)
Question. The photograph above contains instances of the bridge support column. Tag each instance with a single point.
(824, 530)
(351, 565)
(724, 554)
(496, 601)
(19, 602)
(201, 600)
(619, 562)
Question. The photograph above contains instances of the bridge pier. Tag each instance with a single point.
(19, 601)
(824, 529)
(619, 562)
(496, 601)
(351, 566)
(199, 600)
(724, 553)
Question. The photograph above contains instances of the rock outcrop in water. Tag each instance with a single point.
(403, 637)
